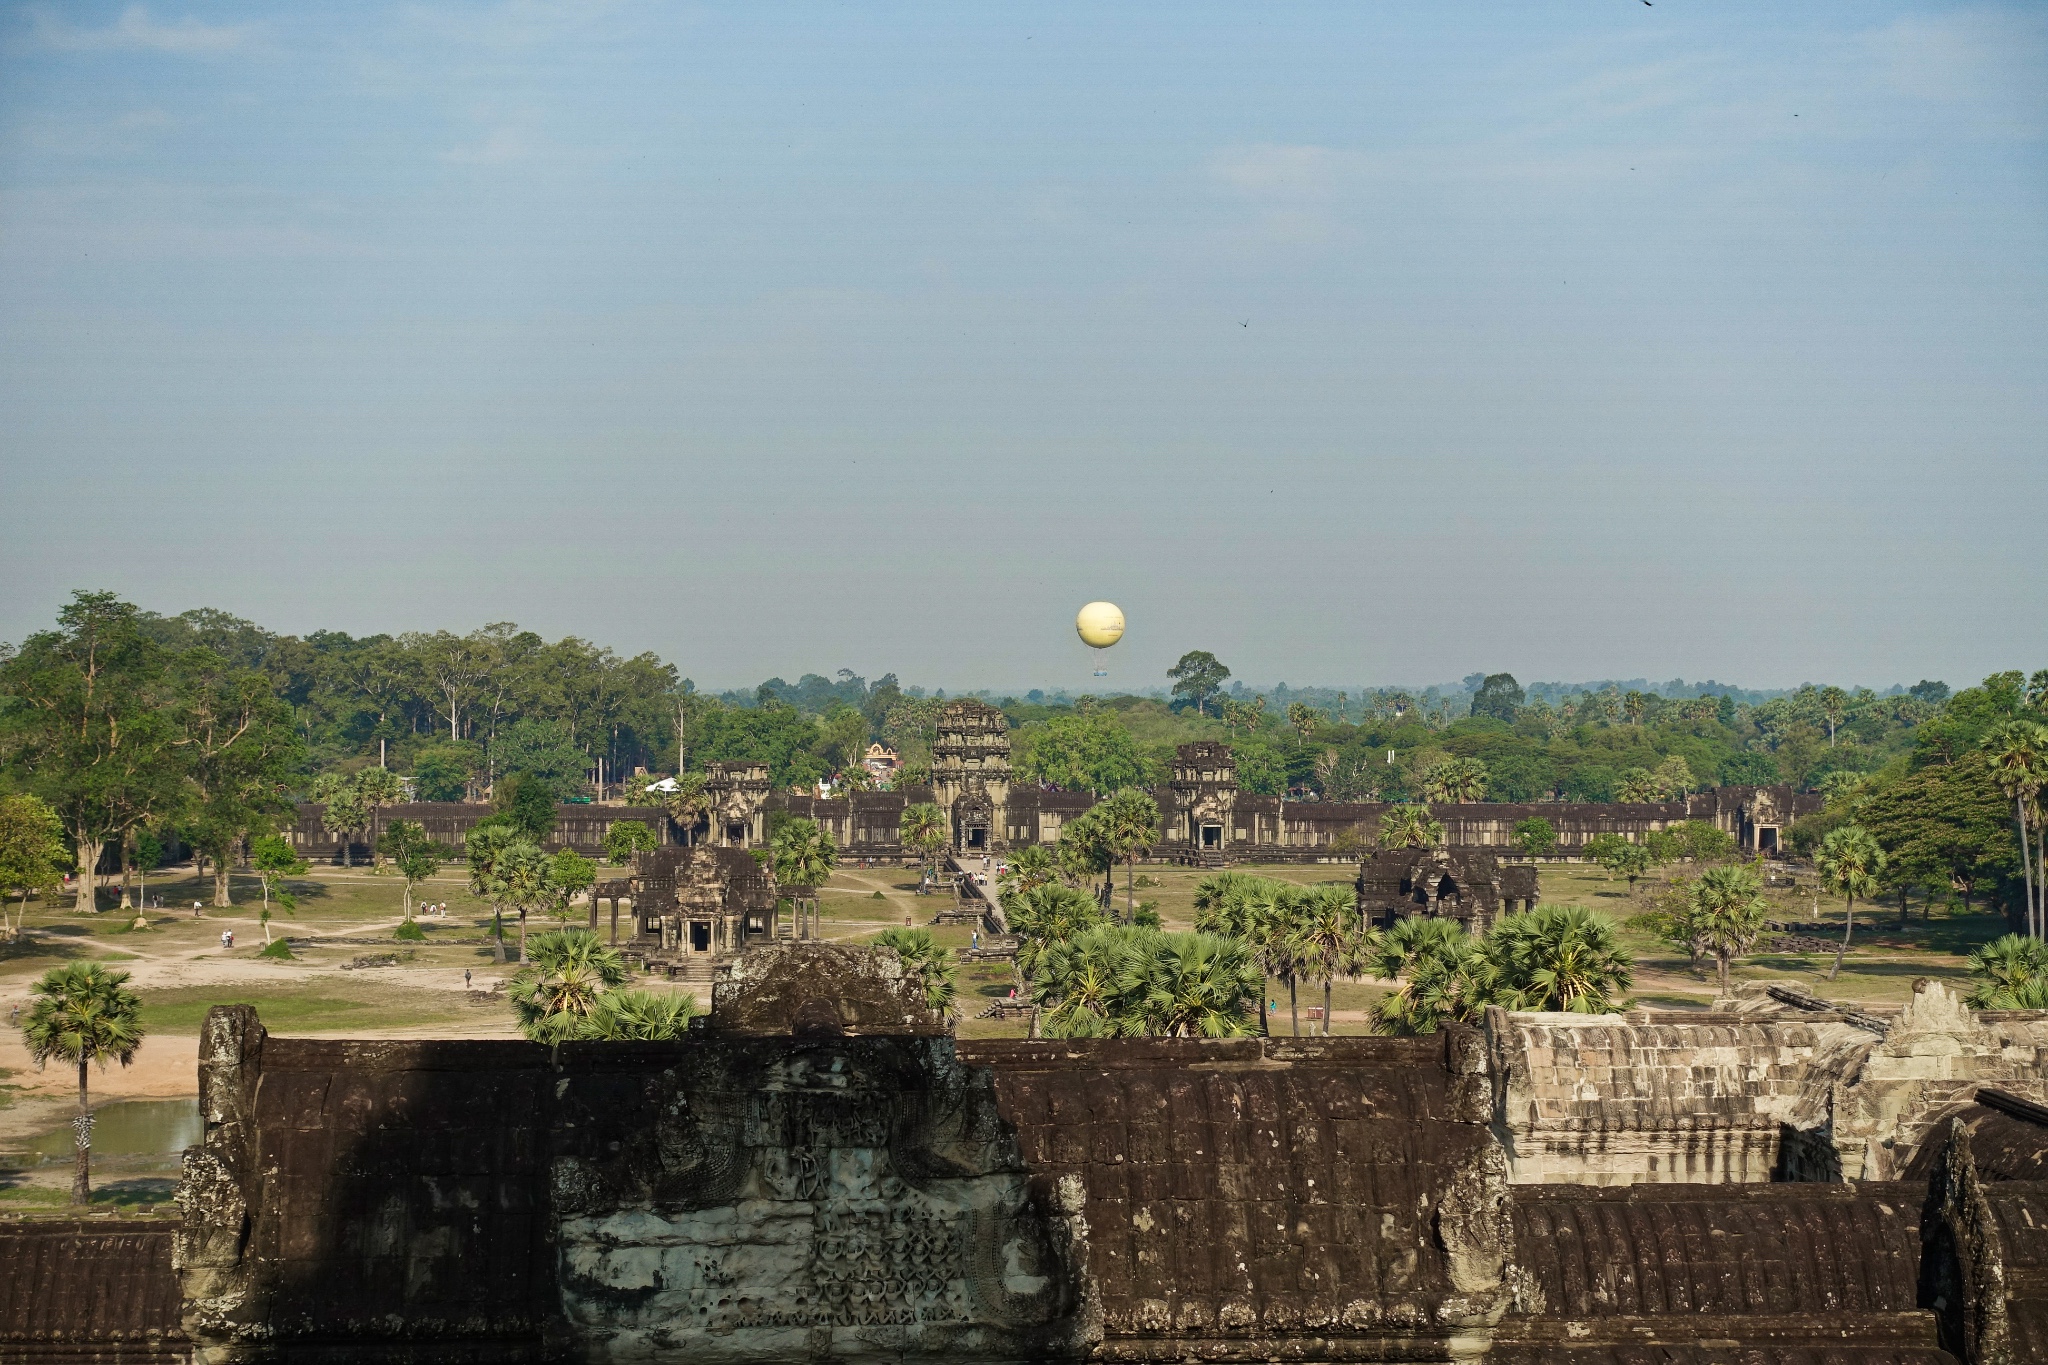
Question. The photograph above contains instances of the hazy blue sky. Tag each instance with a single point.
(1356, 342)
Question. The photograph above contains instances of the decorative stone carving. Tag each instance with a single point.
(971, 776)
(820, 990)
(818, 1196)
(738, 796)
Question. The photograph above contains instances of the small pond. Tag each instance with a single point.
(137, 1132)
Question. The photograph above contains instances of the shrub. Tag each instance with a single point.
(410, 932)
(277, 950)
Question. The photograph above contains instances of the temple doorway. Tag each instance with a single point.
(700, 936)
(1212, 836)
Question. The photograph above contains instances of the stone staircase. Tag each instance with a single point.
(690, 969)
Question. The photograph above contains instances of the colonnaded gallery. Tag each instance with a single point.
(1205, 819)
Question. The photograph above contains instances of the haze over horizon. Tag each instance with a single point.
(1572, 341)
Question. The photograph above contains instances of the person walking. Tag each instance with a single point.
(465, 978)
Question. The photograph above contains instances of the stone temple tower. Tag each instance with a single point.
(971, 776)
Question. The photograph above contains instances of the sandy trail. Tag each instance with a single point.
(167, 1065)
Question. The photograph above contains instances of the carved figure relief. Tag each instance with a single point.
(850, 1197)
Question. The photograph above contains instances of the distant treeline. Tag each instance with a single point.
(454, 711)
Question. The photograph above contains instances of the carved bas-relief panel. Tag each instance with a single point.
(845, 1199)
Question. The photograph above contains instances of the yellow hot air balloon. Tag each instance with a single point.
(1100, 624)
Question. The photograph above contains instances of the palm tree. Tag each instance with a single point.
(83, 1014)
(1094, 985)
(1850, 861)
(1409, 826)
(1305, 719)
(1086, 850)
(482, 847)
(1455, 780)
(1270, 911)
(804, 853)
(377, 788)
(685, 800)
(1130, 822)
(926, 964)
(923, 831)
(1557, 957)
(1259, 910)
(1726, 910)
(1030, 867)
(1198, 986)
(555, 992)
(1834, 709)
(1219, 903)
(522, 877)
(639, 1016)
(2019, 759)
(2013, 973)
(1325, 942)
(1048, 914)
(343, 810)
(1434, 960)
(1636, 784)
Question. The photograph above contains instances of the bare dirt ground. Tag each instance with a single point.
(179, 966)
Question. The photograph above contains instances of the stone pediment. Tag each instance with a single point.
(820, 990)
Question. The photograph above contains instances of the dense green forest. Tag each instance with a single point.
(211, 725)
(454, 710)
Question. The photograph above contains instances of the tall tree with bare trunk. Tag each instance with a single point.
(89, 727)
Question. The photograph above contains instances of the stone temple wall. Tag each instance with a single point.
(848, 1183)
(1614, 1099)
(1742, 1096)
(87, 1290)
(738, 1197)
(1243, 1199)
(1654, 1273)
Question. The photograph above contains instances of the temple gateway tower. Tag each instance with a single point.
(971, 776)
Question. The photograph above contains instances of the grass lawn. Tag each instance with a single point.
(856, 904)
(328, 1007)
(1880, 967)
